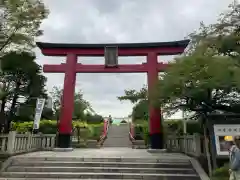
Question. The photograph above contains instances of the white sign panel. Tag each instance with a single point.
(221, 131)
(38, 112)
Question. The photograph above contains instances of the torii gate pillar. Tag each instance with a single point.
(155, 118)
(67, 104)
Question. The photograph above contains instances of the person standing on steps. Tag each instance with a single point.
(234, 157)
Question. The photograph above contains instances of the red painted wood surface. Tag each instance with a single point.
(86, 68)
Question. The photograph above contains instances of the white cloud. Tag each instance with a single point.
(97, 21)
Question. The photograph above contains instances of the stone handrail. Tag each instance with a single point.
(14, 143)
(188, 144)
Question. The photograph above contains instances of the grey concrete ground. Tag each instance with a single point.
(107, 153)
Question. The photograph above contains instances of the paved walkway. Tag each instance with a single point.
(107, 153)
(118, 136)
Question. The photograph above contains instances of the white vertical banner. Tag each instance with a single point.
(38, 112)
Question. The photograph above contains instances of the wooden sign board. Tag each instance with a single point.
(111, 56)
(224, 134)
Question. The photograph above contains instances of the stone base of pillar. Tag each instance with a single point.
(63, 149)
(157, 150)
(157, 141)
(63, 141)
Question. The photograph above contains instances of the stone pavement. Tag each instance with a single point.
(118, 136)
(107, 153)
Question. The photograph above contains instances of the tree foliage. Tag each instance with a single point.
(20, 77)
(206, 78)
(140, 110)
(20, 22)
(134, 96)
(22, 83)
(140, 99)
(81, 106)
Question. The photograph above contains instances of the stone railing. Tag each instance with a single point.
(188, 144)
(14, 143)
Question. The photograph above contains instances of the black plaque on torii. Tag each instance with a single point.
(111, 56)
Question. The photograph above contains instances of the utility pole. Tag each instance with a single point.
(184, 121)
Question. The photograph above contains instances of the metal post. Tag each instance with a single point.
(184, 121)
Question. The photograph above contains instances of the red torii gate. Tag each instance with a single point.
(71, 67)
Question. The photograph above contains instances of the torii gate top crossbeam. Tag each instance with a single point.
(124, 49)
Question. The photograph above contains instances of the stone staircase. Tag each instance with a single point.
(72, 168)
(118, 136)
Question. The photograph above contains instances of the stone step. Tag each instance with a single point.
(52, 179)
(110, 144)
(165, 159)
(62, 175)
(118, 136)
(103, 164)
(101, 169)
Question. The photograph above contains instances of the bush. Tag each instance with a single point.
(141, 130)
(221, 173)
(50, 127)
(95, 131)
(171, 126)
(94, 119)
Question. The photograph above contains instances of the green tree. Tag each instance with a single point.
(140, 101)
(207, 77)
(222, 37)
(22, 80)
(20, 24)
(57, 96)
(47, 113)
(140, 111)
(134, 96)
(80, 105)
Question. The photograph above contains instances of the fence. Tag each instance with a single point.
(14, 143)
(188, 144)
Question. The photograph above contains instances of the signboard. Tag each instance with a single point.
(223, 134)
(111, 56)
(38, 112)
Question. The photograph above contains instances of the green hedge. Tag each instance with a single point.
(50, 127)
(221, 173)
(171, 126)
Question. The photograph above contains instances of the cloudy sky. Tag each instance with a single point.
(112, 21)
